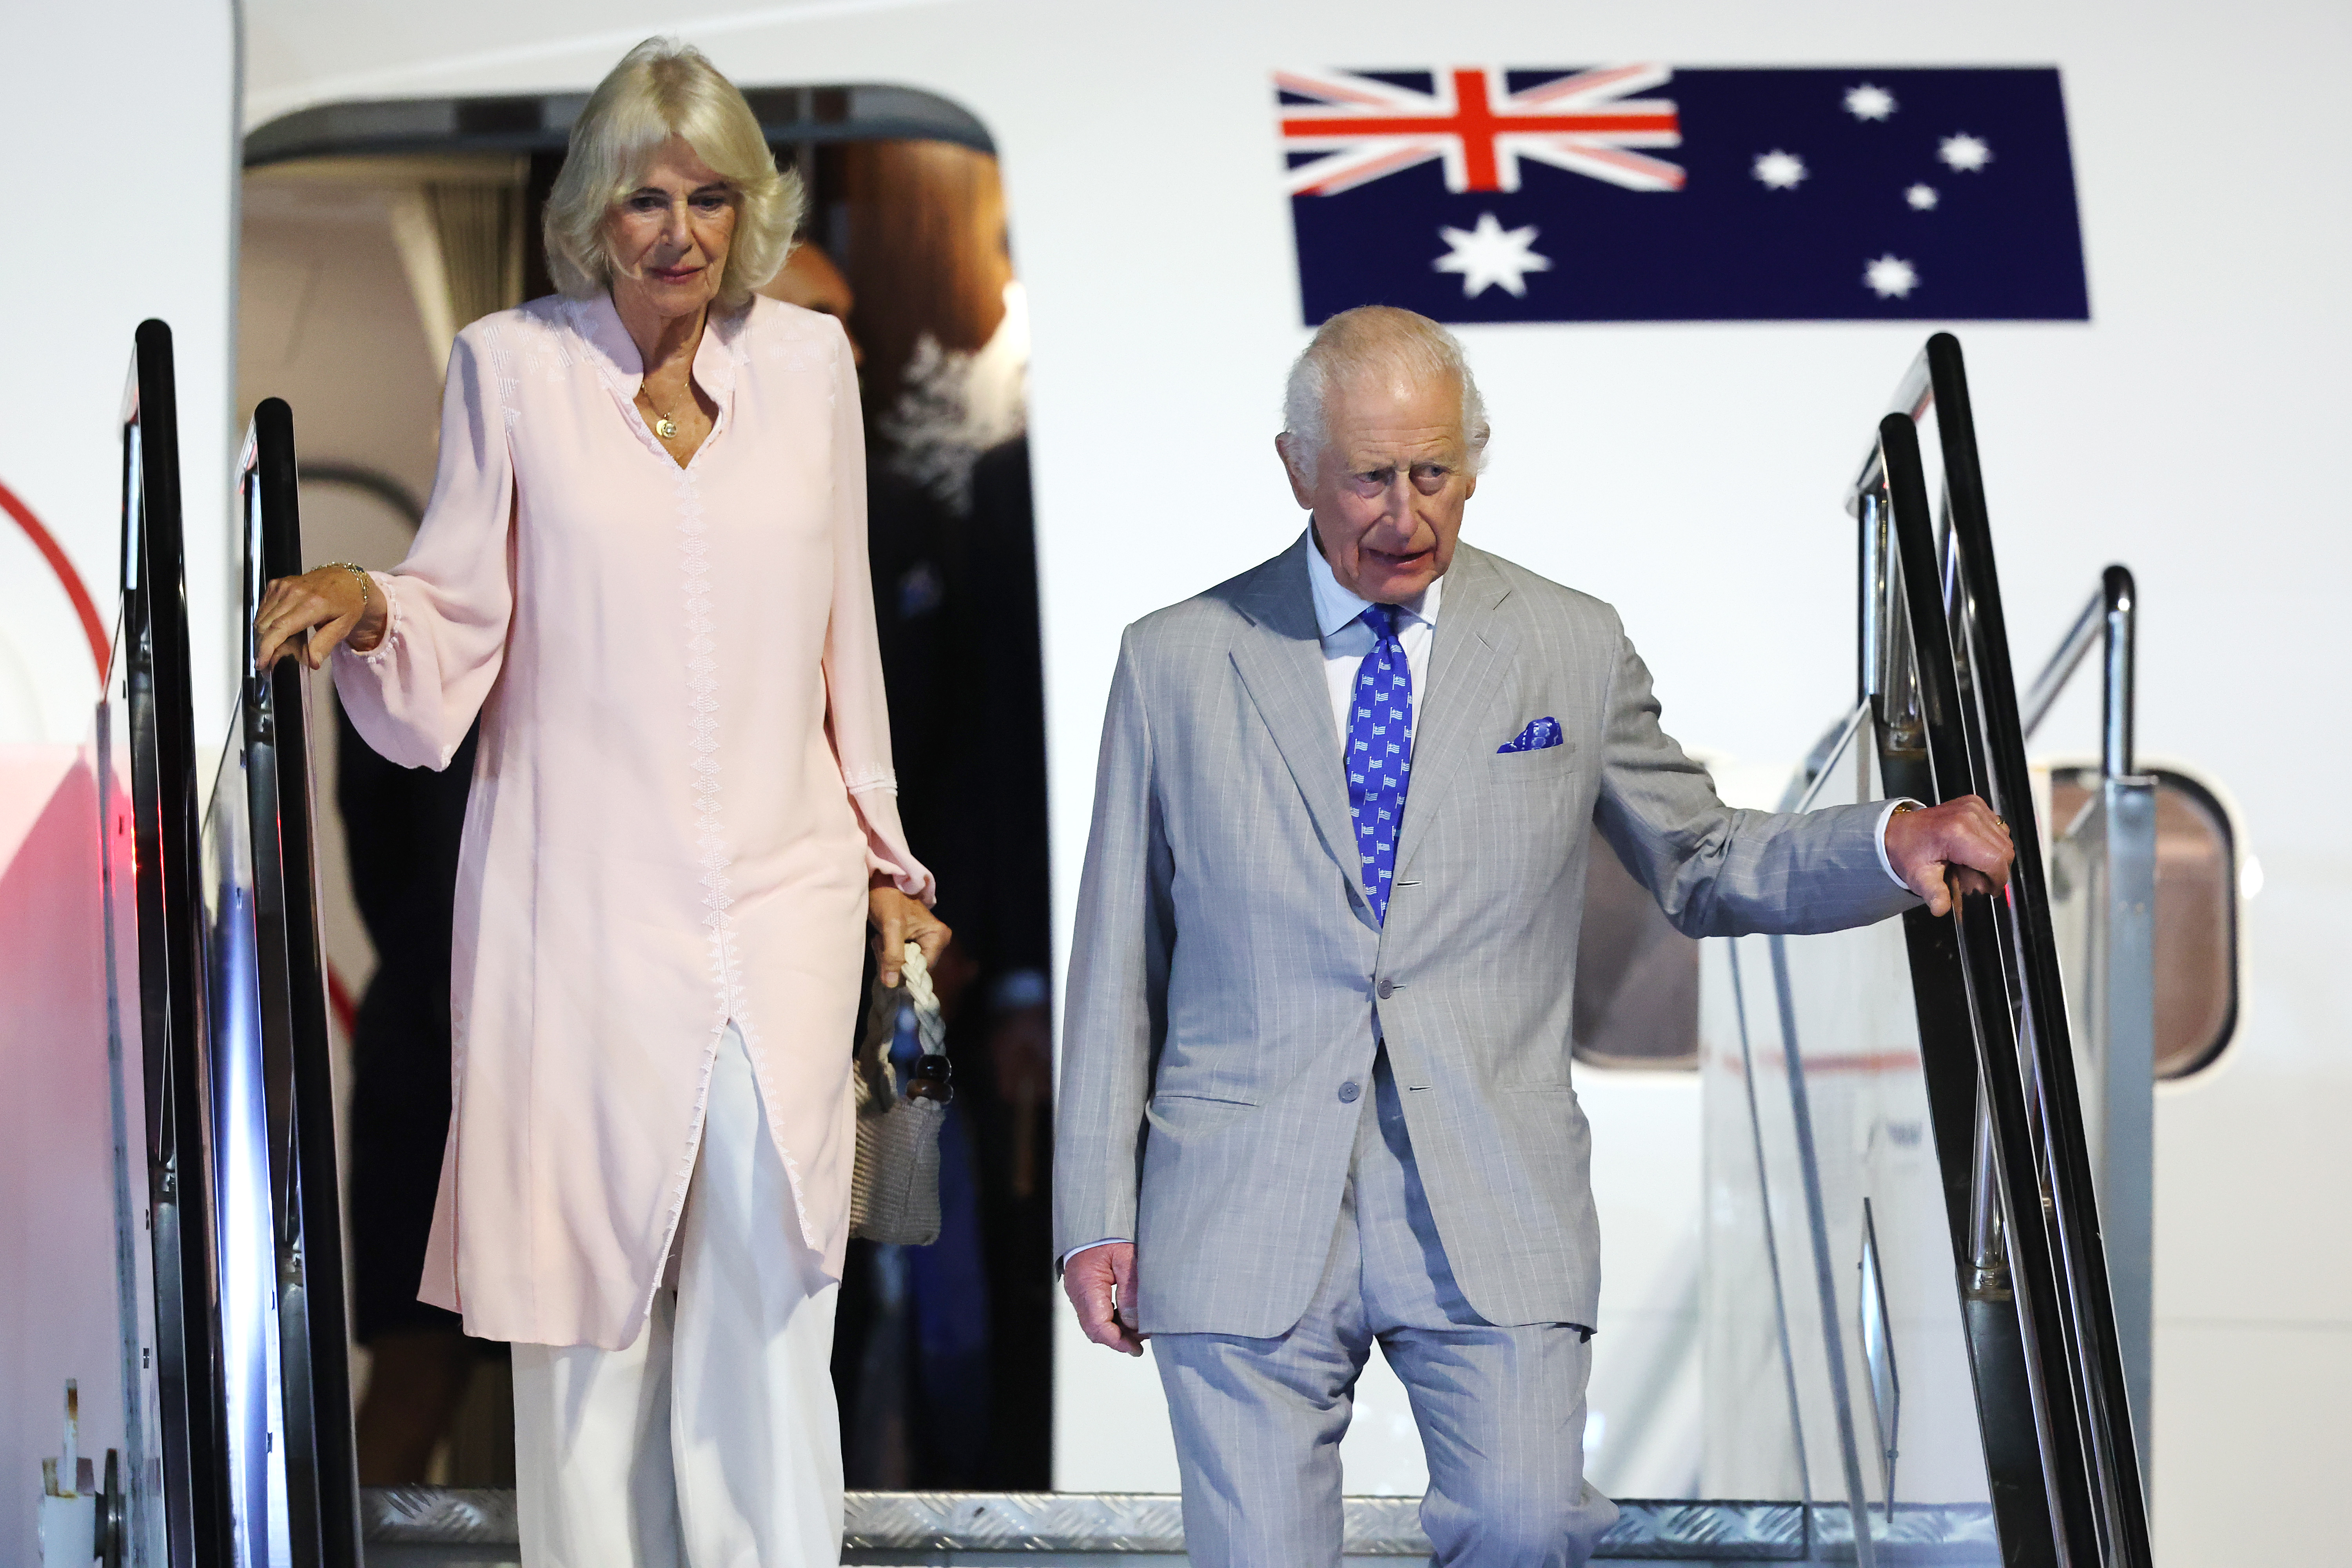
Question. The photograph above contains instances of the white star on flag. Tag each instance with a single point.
(1868, 102)
(1491, 254)
(1964, 153)
(1922, 198)
(1780, 171)
(1891, 277)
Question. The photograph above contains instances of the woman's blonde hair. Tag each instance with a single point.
(663, 89)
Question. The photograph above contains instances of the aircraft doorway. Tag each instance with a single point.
(371, 233)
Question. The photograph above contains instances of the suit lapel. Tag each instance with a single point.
(1472, 643)
(1280, 656)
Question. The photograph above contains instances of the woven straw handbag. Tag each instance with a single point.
(894, 1189)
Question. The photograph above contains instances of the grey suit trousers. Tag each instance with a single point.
(1501, 1409)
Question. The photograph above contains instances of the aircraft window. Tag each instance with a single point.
(2195, 914)
(1636, 975)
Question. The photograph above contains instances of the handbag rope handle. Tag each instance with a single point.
(915, 981)
(933, 1078)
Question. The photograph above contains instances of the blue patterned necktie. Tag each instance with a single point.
(1379, 753)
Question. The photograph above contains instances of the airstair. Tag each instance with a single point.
(1915, 1348)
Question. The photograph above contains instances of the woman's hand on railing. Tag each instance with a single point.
(331, 604)
(1943, 852)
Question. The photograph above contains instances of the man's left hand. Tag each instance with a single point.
(899, 919)
(1943, 851)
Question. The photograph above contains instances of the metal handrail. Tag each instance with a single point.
(2095, 1346)
(2003, 1076)
(2110, 613)
(2122, 601)
(190, 1513)
(320, 1461)
(2117, 979)
(2025, 1218)
(2043, 695)
(2113, 610)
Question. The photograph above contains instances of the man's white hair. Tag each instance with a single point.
(1357, 342)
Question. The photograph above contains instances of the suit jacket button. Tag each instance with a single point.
(1348, 1093)
(1386, 989)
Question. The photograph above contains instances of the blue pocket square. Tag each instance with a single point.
(1541, 735)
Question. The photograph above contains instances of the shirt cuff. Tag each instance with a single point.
(1884, 818)
(376, 656)
(1106, 1241)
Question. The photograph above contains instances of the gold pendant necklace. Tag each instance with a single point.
(664, 426)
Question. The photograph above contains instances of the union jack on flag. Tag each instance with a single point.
(1583, 122)
(1489, 193)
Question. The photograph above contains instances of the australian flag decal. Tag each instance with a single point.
(1641, 193)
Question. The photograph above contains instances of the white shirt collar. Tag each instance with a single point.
(1335, 606)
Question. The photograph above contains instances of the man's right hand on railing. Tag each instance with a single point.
(1943, 851)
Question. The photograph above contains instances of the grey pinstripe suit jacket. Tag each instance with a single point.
(1226, 967)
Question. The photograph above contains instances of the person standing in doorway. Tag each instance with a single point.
(645, 567)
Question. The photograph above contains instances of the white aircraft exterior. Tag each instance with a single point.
(1689, 474)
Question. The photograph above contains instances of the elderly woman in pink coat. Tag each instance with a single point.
(645, 567)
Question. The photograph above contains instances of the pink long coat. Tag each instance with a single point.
(683, 783)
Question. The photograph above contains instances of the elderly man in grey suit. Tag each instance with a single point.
(1315, 1090)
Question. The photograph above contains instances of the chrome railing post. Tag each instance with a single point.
(1872, 674)
(2107, 853)
(2116, 606)
(2124, 1006)
(1888, 673)
(1988, 1248)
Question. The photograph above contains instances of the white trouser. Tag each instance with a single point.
(713, 1441)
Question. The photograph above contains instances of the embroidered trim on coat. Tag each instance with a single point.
(715, 855)
(391, 622)
(702, 703)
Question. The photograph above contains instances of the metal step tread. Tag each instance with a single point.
(1121, 1523)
